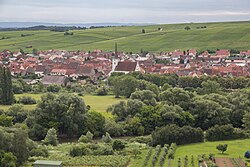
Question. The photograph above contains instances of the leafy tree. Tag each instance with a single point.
(222, 148)
(208, 113)
(95, 122)
(51, 137)
(7, 159)
(6, 120)
(119, 110)
(143, 31)
(18, 113)
(134, 107)
(113, 128)
(65, 112)
(187, 28)
(133, 126)
(146, 96)
(210, 87)
(246, 121)
(177, 96)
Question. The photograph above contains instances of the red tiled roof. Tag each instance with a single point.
(126, 66)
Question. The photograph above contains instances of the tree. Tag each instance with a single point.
(187, 28)
(143, 31)
(7, 159)
(64, 112)
(18, 113)
(95, 122)
(246, 121)
(208, 113)
(6, 92)
(222, 148)
(51, 137)
(113, 128)
(35, 51)
(146, 96)
(210, 87)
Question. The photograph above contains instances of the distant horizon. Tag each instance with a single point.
(4, 24)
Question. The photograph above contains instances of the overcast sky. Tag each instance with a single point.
(124, 11)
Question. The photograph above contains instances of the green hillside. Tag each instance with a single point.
(228, 35)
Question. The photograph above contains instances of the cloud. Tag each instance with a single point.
(159, 11)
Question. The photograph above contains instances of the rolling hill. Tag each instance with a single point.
(226, 35)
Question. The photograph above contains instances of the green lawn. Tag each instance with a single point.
(97, 103)
(236, 149)
(226, 35)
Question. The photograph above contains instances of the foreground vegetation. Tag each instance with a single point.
(131, 39)
(162, 110)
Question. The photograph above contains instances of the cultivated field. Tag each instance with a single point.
(231, 35)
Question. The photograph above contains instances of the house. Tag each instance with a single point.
(45, 163)
(53, 79)
(127, 67)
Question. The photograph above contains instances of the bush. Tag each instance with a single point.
(86, 138)
(102, 91)
(118, 145)
(107, 138)
(224, 132)
(27, 100)
(53, 88)
(79, 151)
(39, 152)
(142, 139)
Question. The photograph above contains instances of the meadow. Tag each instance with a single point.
(227, 35)
(97, 103)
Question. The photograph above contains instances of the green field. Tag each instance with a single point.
(236, 149)
(97, 103)
(228, 35)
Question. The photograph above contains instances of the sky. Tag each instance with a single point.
(124, 11)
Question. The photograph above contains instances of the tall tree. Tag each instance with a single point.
(6, 92)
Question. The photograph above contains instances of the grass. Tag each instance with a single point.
(225, 35)
(97, 103)
(236, 149)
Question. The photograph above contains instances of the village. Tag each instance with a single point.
(60, 67)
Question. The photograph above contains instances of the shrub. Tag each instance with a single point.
(118, 145)
(142, 139)
(51, 137)
(86, 138)
(53, 88)
(79, 151)
(106, 138)
(102, 91)
(39, 152)
(27, 100)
